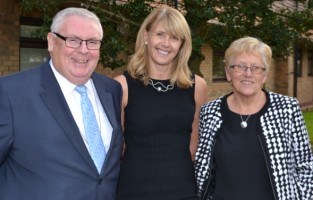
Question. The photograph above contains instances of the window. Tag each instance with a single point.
(218, 66)
(33, 51)
(310, 63)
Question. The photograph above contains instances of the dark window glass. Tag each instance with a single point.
(218, 66)
(33, 50)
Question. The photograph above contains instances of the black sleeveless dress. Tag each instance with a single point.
(157, 164)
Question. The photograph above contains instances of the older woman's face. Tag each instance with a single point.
(246, 82)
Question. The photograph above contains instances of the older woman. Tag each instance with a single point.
(253, 144)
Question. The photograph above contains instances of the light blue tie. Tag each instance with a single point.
(94, 140)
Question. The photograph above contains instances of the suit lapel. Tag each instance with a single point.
(56, 103)
(108, 106)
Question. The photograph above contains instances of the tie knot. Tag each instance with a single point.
(81, 89)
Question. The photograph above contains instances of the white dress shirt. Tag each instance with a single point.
(72, 98)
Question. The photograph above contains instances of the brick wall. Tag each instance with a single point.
(279, 80)
(305, 82)
(9, 37)
(109, 72)
(215, 89)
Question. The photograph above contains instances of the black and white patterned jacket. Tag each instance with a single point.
(285, 142)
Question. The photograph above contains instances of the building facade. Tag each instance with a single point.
(18, 52)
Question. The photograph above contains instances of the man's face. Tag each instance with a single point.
(75, 64)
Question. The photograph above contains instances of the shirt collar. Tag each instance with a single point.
(67, 86)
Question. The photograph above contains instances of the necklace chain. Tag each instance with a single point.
(244, 123)
(160, 87)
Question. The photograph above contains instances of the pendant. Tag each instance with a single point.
(243, 124)
(160, 87)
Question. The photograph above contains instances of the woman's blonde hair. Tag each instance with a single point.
(174, 23)
(249, 45)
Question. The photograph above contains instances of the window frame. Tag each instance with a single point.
(218, 57)
(30, 42)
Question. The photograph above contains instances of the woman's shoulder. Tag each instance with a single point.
(124, 77)
(216, 102)
(213, 106)
(201, 89)
(276, 98)
(282, 103)
(199, 80)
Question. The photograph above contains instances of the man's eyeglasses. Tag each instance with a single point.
(243, 68)
(73, 42)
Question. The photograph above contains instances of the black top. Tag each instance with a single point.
(157, 163)
(241, 171)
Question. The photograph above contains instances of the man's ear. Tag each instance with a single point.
(51, 40)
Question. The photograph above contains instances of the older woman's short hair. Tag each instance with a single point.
(249, 45)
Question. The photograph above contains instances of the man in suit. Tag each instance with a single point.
(45, 153)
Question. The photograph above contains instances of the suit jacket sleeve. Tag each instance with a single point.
(6, 131)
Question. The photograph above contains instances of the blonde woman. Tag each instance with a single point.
(161, 104)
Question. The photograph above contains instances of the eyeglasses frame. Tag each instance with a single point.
(81, 41)
(244, 68)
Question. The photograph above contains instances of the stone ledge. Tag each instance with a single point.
(307, 106)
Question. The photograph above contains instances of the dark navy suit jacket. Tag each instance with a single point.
(42, 153)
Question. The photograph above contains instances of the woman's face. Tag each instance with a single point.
(162, 47)
(244, 81)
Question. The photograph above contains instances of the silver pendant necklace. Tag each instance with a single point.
(244, 123)
(160, 87)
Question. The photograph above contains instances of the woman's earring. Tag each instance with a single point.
(146, 42)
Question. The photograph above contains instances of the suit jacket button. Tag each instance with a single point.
(99, 181)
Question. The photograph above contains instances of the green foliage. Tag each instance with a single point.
(231, 19)
(247, 18)
(308, 117)
(310, 4)
(45, 9)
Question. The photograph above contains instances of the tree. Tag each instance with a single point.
(231, 19)
(216, 22)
